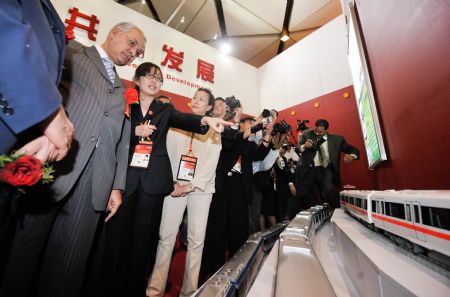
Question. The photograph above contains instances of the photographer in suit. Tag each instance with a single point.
(320, 163)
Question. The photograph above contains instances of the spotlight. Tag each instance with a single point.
(284, 37)
(225, 48)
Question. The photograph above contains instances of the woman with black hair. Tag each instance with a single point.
(131, 236)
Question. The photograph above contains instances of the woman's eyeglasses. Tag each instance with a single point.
(151, 76)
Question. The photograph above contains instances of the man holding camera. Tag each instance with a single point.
(320, 164)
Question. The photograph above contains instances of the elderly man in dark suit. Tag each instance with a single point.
(320, 164)
(61, 221)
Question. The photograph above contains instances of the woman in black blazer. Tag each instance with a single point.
(131, 236)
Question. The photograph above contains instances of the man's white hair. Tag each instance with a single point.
(127, 26)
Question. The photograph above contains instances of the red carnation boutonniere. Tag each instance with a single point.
(70, 35)
(131, 97)
(24, 170)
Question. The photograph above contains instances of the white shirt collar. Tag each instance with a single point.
(102, 53)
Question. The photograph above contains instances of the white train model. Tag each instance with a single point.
(421, 217)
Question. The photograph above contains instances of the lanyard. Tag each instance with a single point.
(190, 153)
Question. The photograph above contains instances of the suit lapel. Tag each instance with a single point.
(118, 82)
(331, 146)
(136, 110)
(94, 56)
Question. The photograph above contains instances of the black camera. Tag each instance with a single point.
(266, 119)
(281, 127)
(301, 126)
(318, 142)
(232, 103)
(256, 128)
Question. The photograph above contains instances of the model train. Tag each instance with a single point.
(420, 217)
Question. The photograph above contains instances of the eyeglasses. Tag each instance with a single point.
(134, 45)
(151, 76)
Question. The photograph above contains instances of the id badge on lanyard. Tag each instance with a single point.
(142, 153)
(188, 164)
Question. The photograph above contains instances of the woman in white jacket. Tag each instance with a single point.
(194, 160)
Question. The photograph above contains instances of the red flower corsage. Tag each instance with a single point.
(131, 97)
(70, 35)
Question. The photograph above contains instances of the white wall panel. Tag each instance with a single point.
(331, 51)
(313, 67)
(231, 76)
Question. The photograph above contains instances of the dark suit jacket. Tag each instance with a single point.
(336, 145)
(102, 135)
(32, 38)
(231, 150)
(157, 179)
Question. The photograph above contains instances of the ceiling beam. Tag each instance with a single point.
(174, 13)
(194, 17)
(153, 10)
(266, 34)
(287, 19)
(247, 36)
(221, 17)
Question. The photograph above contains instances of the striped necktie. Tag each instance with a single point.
(109, 69)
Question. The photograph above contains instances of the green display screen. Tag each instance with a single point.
(365, 100)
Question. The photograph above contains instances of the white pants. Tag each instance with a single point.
(198, 208)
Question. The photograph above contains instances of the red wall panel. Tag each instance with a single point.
(408, 48)
(342, 115)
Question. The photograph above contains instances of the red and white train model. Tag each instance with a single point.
(420, 217)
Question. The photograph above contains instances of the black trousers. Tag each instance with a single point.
(284, 200)
(255, 210)
(318, 179)
(51, 243)
(228, 222)
(127, 247)
(7, 194)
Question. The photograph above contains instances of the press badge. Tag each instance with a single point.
(186, 170)
(141, 155)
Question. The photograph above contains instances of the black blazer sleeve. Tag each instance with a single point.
(348, 149)
(187, 121)
(259, 152)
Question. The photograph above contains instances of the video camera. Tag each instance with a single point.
(301, 126)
